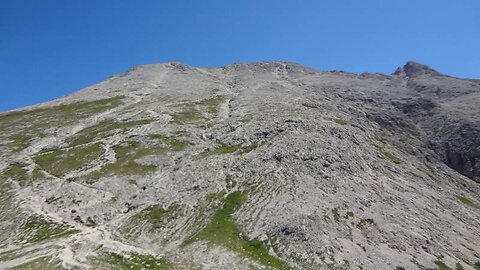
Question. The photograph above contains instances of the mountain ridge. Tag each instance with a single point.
(266, 165)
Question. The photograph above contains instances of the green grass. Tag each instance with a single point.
(187, 117)
(155, 216)
(104, 129)
(336, 215)
(212, 103)
(442, 266)
(477, 266)
(132, 261)
(174, 144)
(223, 148)
(59, 162)
(391, 157)
(340, 121)
(126, 154)
(37, 229)
(468, 202)
(192, 111)
(250, 147)
(19, 142)
(363, 223)
(222, 230)
(46, 262)
(459, 266)
(23, 126)
(18, 172)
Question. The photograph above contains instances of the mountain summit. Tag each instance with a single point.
(412, 69)
(268, 165)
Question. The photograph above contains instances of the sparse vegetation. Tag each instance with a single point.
(187, 117)
(223, 148)
(363, 223)
(212, 103)
(23, 126)
(467, 201)
(132, 261)
(38, 229)
(222, 230)
(58, 162)
(193, 112)
(174, 145)
(246, 118)
(459, 266)
(17, 172)
(340, 121)
(399, 268)
(19, 142)
(250, 147)
(126, 154)
(46, 262)
(477, 265)
(442, 266)
(391, 157)
(155, 216)
(336, 215)
(104, 129)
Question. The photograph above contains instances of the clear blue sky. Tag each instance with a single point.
(50, 48)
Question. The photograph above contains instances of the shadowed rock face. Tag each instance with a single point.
(446, 108)
(267, 165)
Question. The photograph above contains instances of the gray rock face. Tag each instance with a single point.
(266, 165)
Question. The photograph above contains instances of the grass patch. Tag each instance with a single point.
(152, 218)
(223, 148)
(133, 261)
(363, 223)
(340, 121)
(468, 202)
(222, 230)
(46, 262)
(336, 215)
(442, 266)
(126, 154)
(37, 229)
(28, 124)
(212, 103)
(187, 117)
(477, 266)
(250, 147)
(19, 142)
(18, 172)
(59, 162)
(174, 145)
(104, 129)
(391, 157)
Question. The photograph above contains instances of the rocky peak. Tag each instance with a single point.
(413, 69)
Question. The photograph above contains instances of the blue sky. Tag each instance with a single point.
(50, 48)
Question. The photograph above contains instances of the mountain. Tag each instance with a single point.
(267, 165)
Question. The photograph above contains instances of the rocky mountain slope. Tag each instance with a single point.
(250, 166)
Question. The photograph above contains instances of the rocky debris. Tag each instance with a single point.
(297, 169)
